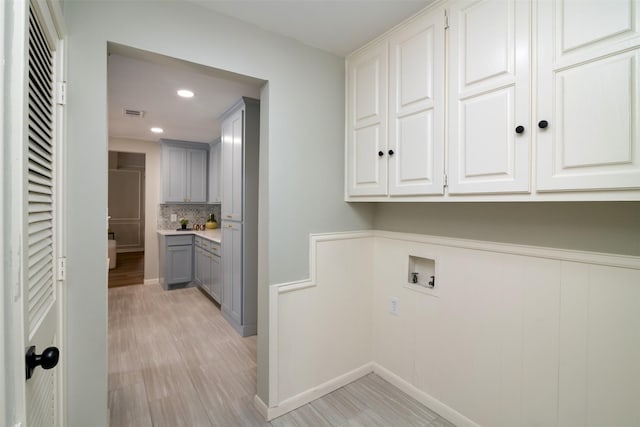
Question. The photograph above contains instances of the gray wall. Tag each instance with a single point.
(303, 151)
(612, 227)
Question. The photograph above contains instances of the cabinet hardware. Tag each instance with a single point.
(48, 359)
(432, 282)
(391, 152)
(520, 129)
(380, 153)
(543, 124)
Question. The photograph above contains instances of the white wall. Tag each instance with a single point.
(516, 336)
(303, 151)
(151, 150)
(321, 329)
(512, 336)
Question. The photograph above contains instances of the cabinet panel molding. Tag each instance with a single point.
(366, 170)
(489, 97)
(588, 94)
(486, 42)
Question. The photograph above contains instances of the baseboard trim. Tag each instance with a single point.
(314, 393)
(261, 406)
(151, 281)
(427, 400)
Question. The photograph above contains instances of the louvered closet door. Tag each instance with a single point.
(41, 305)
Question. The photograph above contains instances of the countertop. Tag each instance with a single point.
(214, 235)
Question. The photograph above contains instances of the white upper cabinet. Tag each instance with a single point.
(489, 96)
(416, 113)
(395, 119)
(588, 95)
(523, 100)
(366, 166)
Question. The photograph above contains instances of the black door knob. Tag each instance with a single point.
(520, 129)
(380, 153)
(391, 152)
(543, 124)
(48, 359)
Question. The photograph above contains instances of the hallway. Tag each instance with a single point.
(175, 361)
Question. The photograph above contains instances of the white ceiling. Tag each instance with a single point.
(145, 81)
(337, 26)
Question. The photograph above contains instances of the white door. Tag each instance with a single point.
(232, 160)
(366, 158)
(126, 208)
(489, 96)
(416, 104)
(40, 225)
(588, 97)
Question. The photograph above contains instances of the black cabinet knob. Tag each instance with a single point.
(391, 152)
(543, 124)
(520, 129)
(380, 153)
(48, 359)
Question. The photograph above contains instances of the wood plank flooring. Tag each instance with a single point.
(174, 361)
(129, 270)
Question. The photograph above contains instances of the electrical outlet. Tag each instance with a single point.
(394, 307)
(174, 217)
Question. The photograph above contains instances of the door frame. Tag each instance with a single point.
(13, 89)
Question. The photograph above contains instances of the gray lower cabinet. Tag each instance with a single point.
(207, 267)
(215, 287)
(176, 261)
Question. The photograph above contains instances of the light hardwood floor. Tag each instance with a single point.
(129, 270)
(174, 361)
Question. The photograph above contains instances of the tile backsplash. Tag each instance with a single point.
(196, 214)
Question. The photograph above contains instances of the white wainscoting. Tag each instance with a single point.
(514, 335)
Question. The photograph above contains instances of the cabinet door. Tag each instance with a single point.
(588, 80)
(489, 96)
(179, 264)
(416, 116)
(232, 161)
(196, 176)
(232, 270)
(214, 172)
(197, 266)
(215, 274)
(366, 158)
(174, 169)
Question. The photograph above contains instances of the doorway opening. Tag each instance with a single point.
(204, 359)
(126, 204)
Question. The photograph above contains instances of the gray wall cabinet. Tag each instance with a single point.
(184, 172)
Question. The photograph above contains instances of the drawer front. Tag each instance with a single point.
(215, 248)
(179, 240)
(206, 244)
(198, 241)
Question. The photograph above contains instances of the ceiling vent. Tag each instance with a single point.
(129, 112)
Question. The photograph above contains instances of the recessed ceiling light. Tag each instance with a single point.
(157, 130)
(185, 93)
